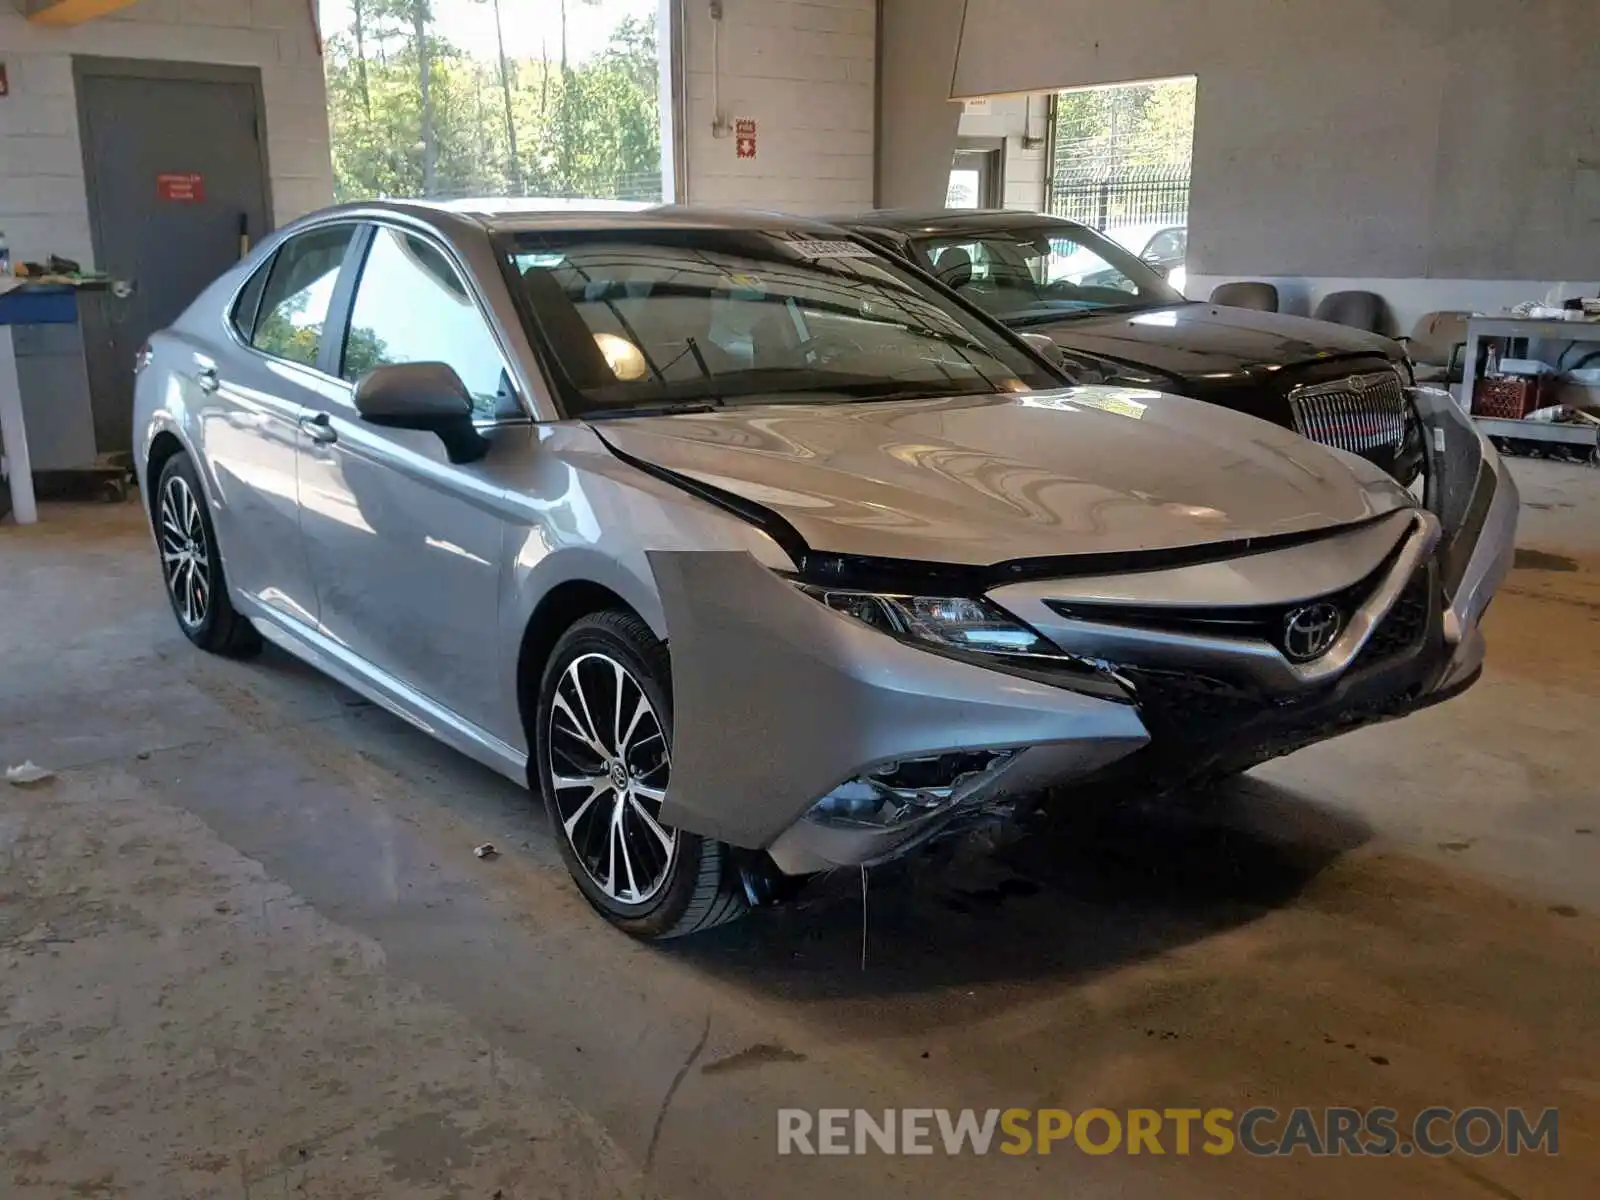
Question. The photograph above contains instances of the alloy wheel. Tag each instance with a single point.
(185, 560)
(609, 767)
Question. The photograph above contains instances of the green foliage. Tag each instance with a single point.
(363, 350)
(1113, 132)
(285, 332)
(589, 129)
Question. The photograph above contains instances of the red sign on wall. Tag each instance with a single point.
(182, 187)
(744, 132)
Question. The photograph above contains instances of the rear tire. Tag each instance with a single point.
(602, 743)
(191, 566)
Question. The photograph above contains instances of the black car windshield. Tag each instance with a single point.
(638, 320)
(1028, 276)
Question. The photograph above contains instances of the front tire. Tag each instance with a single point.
(191, 566)
(603, 756)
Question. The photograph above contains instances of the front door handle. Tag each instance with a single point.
(318, 428)
(206, 378)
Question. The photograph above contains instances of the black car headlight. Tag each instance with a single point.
(941, 622)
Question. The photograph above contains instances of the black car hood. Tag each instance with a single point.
(1211, 342)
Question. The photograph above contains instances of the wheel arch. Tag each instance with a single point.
(164, 446)
(557, 611)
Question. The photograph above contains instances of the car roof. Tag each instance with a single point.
(936, 221)
(513, 214)
(502, 206)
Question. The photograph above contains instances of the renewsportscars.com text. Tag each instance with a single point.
(1318, 1132)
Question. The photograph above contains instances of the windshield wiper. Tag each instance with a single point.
(919, 393)
(1073, 314)
(651, 410)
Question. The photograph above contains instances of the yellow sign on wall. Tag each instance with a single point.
(70, 12)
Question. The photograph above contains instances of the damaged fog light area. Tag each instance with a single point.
(902, 792)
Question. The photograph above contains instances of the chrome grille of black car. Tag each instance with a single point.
(1360, 413)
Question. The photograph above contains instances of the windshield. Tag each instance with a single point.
(649, 319)
(1023, 276)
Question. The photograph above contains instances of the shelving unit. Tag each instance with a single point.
(1525, 329)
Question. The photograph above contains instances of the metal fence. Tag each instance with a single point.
(1132, 197)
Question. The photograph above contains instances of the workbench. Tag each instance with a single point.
(1529, 330)
(46, 418)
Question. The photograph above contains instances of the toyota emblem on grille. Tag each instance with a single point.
(1310, 630)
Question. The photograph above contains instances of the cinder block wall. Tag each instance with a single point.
(43, 203)
(803, 70)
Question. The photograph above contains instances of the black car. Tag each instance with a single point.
(1115, 320)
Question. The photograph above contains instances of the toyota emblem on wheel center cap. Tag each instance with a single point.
(1309, 631)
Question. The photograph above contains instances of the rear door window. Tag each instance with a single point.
(299, 290)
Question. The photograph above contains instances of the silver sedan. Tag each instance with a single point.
(756, 554)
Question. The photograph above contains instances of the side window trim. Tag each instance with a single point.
(330, 354)
(469, 285)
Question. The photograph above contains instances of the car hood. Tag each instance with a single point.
(1190, 340)
(982, 480)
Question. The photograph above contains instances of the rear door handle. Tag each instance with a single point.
(318, 428)
(206, 377)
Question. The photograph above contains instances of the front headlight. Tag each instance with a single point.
(977, 632)
(943, 622)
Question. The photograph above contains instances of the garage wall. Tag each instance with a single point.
(916, 63)
(805, 73)
(43, 204)
(1368, 138)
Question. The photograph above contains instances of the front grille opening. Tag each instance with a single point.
(1262, 623)
(1191, 709)
(1404, 625)
(1400, 630)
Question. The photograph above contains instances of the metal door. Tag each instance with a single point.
(176, 183)
(975, 177)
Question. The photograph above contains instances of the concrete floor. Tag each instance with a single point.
(246, 950)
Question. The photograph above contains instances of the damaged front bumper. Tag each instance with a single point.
(1472, 493)
(825, 742)
(779, 703)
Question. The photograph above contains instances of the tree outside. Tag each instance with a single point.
(1123, 153)
(1104, 132)
(414, 113)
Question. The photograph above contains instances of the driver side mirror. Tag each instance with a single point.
(428, 396)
